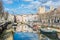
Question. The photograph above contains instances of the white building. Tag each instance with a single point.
(26, 19)
(11, 17)
(30, 19)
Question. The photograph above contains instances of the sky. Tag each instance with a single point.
(28, 6)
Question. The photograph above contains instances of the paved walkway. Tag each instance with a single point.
(58, 30)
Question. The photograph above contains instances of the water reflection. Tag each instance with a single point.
(25, 36)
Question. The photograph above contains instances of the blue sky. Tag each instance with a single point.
(28, 6)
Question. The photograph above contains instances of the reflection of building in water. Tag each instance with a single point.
(23, 28)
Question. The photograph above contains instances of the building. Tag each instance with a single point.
(50, 18)
(25, 20)
(51, 8)
(19, 18)
(10, 17)
(41, 10)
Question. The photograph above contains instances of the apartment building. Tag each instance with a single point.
(51, 18)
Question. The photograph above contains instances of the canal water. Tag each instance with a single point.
(25, 36)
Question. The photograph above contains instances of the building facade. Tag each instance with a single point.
(25, 20)
(50, 18)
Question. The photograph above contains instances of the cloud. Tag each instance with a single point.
(27, 8)
(6, 9)
(28, 0)
(32, 7)
(36, 4)
(8, 1)
(52, 3)
(48, 3)
(43, 1)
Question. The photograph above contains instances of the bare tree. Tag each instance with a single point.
(1, 8)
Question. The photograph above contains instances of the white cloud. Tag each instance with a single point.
(8, 1)
(36, 4)
(6, 9)
(51, 3)
(32, 5)
(48, 3)
(28, 8)
(28, 0)
(23, 8)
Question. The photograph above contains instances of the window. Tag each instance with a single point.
(56, 21)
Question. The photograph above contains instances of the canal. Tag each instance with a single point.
(25, 36)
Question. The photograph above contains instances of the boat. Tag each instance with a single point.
(50, 33)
